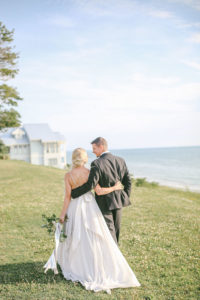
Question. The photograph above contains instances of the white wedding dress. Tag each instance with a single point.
(89, 254)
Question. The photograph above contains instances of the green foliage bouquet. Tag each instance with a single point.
(50, 225)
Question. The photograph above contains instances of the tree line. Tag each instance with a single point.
(9, 96)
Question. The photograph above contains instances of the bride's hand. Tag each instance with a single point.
(103, 191)
(62, 219)
(118, 186)
(98, 189)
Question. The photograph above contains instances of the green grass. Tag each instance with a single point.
(159, 238)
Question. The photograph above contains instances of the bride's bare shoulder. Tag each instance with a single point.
(67, 176)
(71, 175)
(77, 173)
(87, 170)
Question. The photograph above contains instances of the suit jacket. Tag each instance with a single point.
(107, 170)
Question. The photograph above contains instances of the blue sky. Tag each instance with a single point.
(126, 70)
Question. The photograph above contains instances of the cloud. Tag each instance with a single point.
(163, 14)
(192, 64)
(156, 98)
(192, 3)
(182, 24)
(111, 8)
(141, 78)
(60, 21)
(75, 84)
(195, 38)
(142, 105)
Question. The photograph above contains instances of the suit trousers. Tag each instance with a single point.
(113, 221)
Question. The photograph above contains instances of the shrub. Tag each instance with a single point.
(144, 182)
(4, 150)
(4, 156)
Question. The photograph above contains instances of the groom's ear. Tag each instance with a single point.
(102, 147)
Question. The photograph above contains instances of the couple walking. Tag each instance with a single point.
(90, 254)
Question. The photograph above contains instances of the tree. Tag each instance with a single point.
(4, 151)
(9, 96)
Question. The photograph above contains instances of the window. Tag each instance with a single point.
(62, 147)
(18, 136)
(24, 148)
(53, 162)
(20, 149)
(62, 159)
(52, 148)
(15, 149)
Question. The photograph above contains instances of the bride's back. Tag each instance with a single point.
(78, 176)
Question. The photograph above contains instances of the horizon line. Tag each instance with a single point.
(142, 148)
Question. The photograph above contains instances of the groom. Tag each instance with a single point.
(106, 171)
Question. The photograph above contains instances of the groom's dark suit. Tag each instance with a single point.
(106, 171)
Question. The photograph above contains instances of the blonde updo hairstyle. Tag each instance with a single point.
(79, 157)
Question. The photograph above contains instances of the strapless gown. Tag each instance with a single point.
(89, 254)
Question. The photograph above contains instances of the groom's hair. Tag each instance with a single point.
(100, 141)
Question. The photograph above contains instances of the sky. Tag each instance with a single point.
(122, 69)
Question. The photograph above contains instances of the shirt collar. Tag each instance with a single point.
(104, 153)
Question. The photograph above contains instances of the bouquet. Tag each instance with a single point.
(50, 225)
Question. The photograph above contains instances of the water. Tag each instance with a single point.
(176, 166)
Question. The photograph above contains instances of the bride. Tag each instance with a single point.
(89, 254)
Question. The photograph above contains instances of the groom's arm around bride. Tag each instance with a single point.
(106, 171)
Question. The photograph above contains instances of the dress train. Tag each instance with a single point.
(89, 254)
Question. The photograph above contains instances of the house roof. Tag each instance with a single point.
(9, 140)
(40, 131)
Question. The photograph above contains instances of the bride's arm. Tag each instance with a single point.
(66, 199)
(103, 191)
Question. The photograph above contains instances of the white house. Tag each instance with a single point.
(36, 144)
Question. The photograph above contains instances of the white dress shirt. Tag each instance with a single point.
(104, 153)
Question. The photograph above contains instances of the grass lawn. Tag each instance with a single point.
(159, 238)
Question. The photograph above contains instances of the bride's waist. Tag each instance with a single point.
(88, 194)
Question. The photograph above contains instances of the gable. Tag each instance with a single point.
(18, 133)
